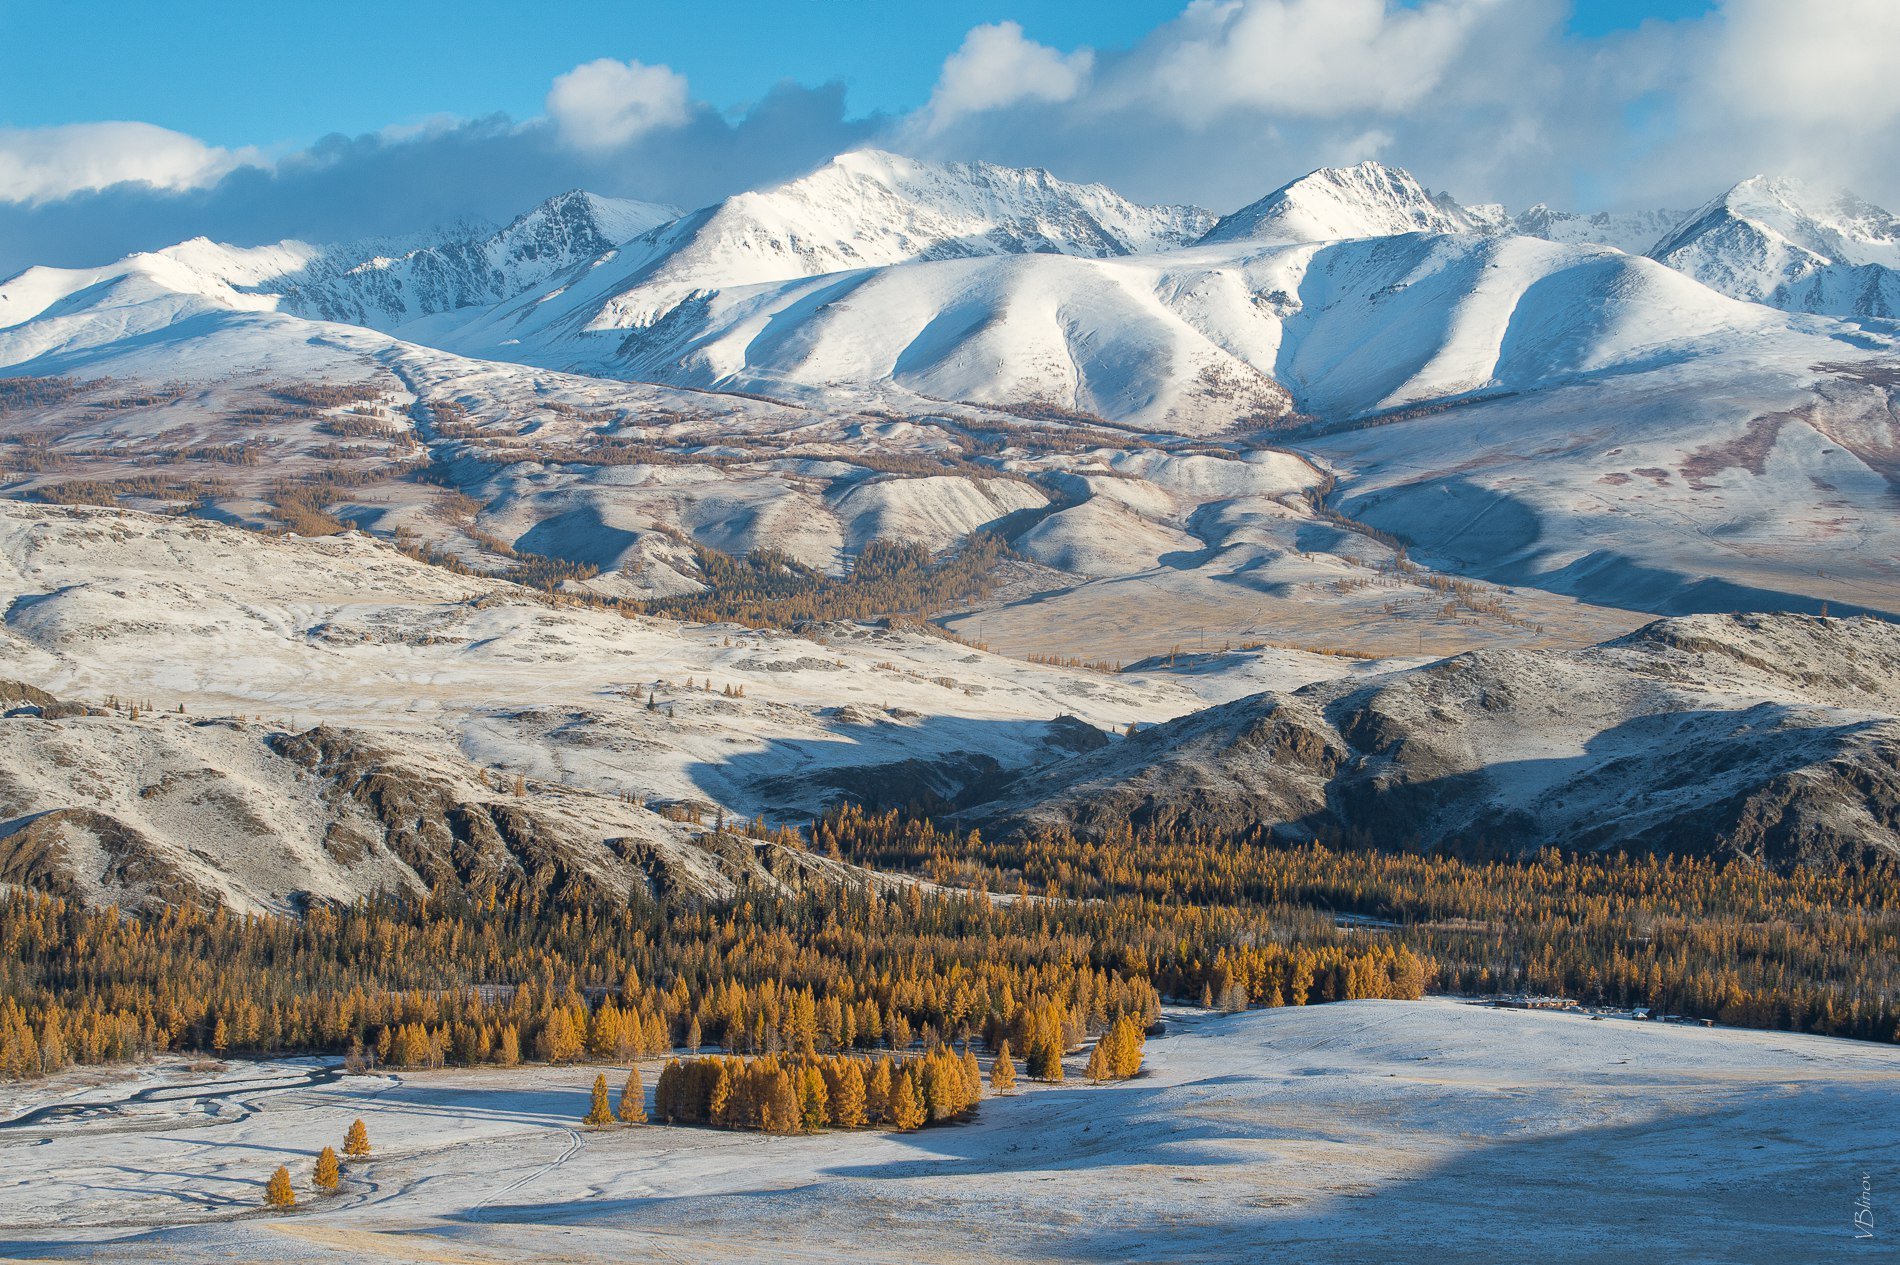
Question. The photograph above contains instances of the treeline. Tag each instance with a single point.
(1113, 925)
(768, 588)
(1815, 950)
(19, 394)
(806, 1093)
(496, 979)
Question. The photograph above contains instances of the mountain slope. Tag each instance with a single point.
(864, 209)
(383, 292)
(1337, 203)
(352, 283)
(1197, 340)
(155, 810)
(1780, 242)
(1774, 737)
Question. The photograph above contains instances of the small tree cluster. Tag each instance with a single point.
(327, 1175)
(1117, 1054)
(812, 1092)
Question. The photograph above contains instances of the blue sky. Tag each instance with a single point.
(129, 126)
(274, 74)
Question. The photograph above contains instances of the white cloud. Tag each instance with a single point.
(606, 103)
(45, 163)
(1828, 62)
(1310, 58)
(997, 66)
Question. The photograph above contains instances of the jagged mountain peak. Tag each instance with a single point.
(1836, 224)
(591, 222)
(871, 208)
(1791, 245)
(966, 208)
(1367, 199)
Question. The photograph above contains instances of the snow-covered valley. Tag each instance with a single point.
(488, 583)
(1349, 1132)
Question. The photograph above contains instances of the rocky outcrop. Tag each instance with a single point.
(163, 810)
(1773, 737)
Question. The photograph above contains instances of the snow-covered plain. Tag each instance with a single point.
(1352, 1132)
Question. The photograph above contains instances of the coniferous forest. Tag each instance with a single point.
(1108, 929)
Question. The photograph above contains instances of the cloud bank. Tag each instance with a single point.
(1493, 100)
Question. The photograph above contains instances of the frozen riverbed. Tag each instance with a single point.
(1358, 1131)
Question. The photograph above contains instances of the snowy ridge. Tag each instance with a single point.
(1767, 736)
(1337, 203)
(384, 292)
(353, 283)
(1632, 232)
(1192, 340)
(1777, 241)
(863, 209)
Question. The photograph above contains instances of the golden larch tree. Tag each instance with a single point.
(1002, 1071)
(633, 1098)
(326, 1176)
(598, 1113)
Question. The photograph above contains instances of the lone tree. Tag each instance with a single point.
(326, 1177)
(277, 1191)
(633, 1099)
(598, 1113)
(1002, 1071)
(356, 1141)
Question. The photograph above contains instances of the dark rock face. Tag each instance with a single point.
(1774, 737)
(166, 811)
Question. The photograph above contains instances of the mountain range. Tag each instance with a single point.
(1284, 460)
(728, 295)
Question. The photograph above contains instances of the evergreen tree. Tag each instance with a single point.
(597, 1112)
(877, 1093)
(907, 1108)
(1045, 1060)
(356, 1141)
(813, 1100)
(633, 1098)
(848, 1099)
(277, 1191)
(1129, 1039)
(1003, 1071)
(326, 1176)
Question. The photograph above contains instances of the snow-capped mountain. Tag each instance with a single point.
(1780, 242)
(1191, 340)
(864, 209)
(1632, 232)
(382, 291)
(1337, 203)
(358, 283)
